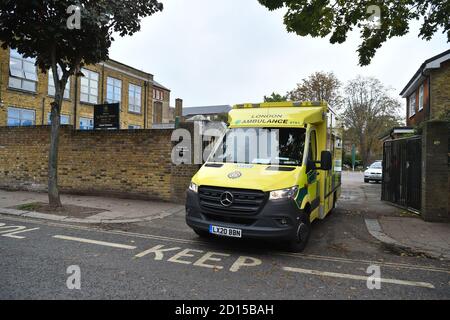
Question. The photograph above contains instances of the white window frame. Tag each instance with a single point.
(113, 90)
(87, 82)
(61, 117)
(22, 71)
(421, 97)
(20, 119)
(158, 94)
(134, 98)
(91, 120)
(412, 104)
(51, 84)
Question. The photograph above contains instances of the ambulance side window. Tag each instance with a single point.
(312, 154)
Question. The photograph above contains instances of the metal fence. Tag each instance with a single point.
(402, 172)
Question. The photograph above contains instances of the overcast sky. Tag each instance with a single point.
(212, 52)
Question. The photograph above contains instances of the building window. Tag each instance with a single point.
(134, 98)
(86, 123)
(63, 119)
(158, 94)
(421, 93)
(51, 84)
(22, 72)
(89, 87)
(412, 105)
(113, 90)
(135, 127)
(21, 117)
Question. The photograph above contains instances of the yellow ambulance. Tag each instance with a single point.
(275, 170)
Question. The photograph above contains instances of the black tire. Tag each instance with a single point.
(202, 233)
(366, 180)
(299, 242)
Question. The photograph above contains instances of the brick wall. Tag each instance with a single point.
(423, 114)
(126, 163)
(436, 171)
(440, 90)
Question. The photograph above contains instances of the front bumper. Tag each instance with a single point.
(374, 177)
(265, 224)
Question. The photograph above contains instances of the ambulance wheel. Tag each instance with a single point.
(202, 233)
(299, 242)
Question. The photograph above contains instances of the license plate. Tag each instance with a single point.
(226, 232)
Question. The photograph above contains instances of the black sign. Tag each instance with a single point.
(107, 116)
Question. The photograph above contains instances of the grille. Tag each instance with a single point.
(246, 202)
(230, 219)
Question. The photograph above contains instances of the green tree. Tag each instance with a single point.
(319, 86)
(41, 29)
(320, 18)
(275, 97)
(368, 111)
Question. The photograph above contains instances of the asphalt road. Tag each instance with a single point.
(42, 259)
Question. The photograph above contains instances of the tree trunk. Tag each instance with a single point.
(362, 149)
(53, 190)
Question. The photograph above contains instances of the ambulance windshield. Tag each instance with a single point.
(266, 146)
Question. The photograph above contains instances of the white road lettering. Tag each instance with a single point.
(245, 262)
(209, 256)
(13, 234)
(12, 231)
(356, 277)
(157, 250)
(181, 257)
(101, 243)
(184, 254)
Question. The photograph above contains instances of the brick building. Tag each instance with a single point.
(428, 92)
(26, 94)
(161, 104)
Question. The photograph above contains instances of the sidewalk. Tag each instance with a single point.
(105, 210)
(412, 235)
(396, 228)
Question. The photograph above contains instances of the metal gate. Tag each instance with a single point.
(402, 172)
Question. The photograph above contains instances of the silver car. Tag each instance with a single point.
(374, 172)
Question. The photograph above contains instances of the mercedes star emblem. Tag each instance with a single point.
(226, 199)
(235, 175)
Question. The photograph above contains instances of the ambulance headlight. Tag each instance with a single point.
(193, 187)
(284, 193)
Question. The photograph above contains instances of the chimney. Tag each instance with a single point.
(178, 108)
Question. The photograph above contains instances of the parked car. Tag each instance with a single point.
(374, 172)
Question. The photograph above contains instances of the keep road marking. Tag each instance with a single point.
(356, 277)
(101, 243)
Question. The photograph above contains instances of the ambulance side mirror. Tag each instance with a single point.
(326, 161)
